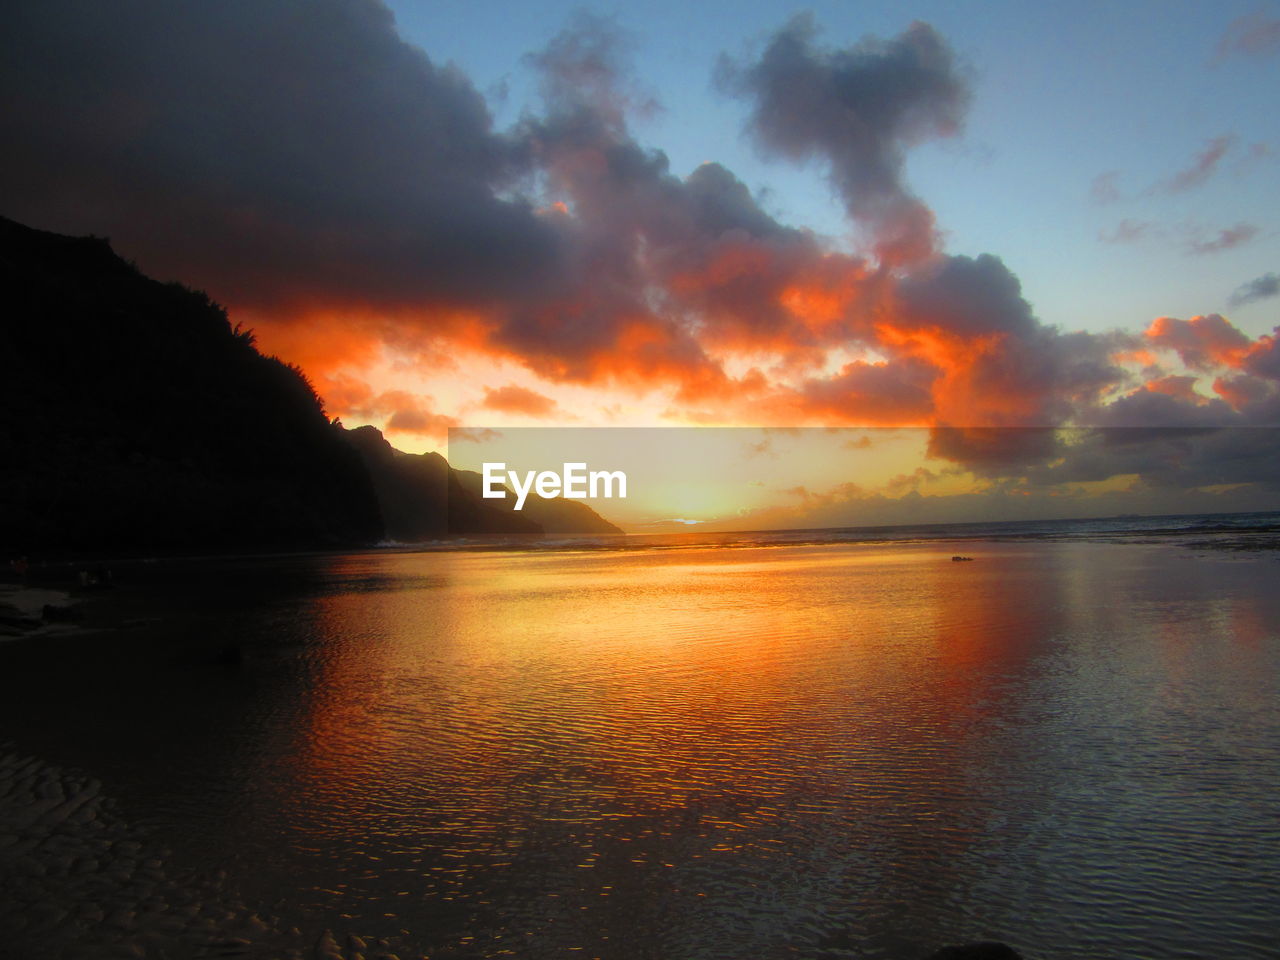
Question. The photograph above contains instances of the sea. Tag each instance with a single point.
(789, 744)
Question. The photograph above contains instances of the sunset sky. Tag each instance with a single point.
(482, 214)
(771, 478)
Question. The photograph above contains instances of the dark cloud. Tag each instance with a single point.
(967, 296)
(721, 203)
(1002, 366)
(286, 159)
(268, 150)
(659, 269)
(995, 451)
(1259, 288)
(1153, 408)
(875, 392)
(351, 195)
(585, 68)
(1203, 343)
(1184, 456)
(1250, 392)
(1181, 458)
(857, 108)
(1263, 357)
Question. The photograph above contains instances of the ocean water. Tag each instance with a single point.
(796, 746)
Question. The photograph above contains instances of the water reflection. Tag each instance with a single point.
(805, 751)
(831, 751)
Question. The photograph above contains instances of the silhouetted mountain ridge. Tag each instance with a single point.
(138, 418)
(420, 496)
(423, 498)
(554, 514)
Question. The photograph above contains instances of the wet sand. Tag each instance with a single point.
(77, 881)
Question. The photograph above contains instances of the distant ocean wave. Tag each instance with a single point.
(1241, 531)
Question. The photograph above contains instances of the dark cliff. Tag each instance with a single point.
(137, 418)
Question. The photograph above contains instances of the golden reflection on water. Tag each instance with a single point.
(570, 748)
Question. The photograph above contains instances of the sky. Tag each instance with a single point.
(450, 215)
(1062, 95)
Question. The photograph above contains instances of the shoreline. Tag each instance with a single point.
(62, 566)
(54, 581)
(33, 611)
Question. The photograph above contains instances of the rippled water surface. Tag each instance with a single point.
(814, 751)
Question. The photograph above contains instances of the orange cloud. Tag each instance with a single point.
(892, 394)
(1242, 391)
(626, 278)
(410, 414)
(517, 399)
(1203, 342)
(1181, 387)
(318, 341)
(1263, 356)
(398, 411)
(1140, 356)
